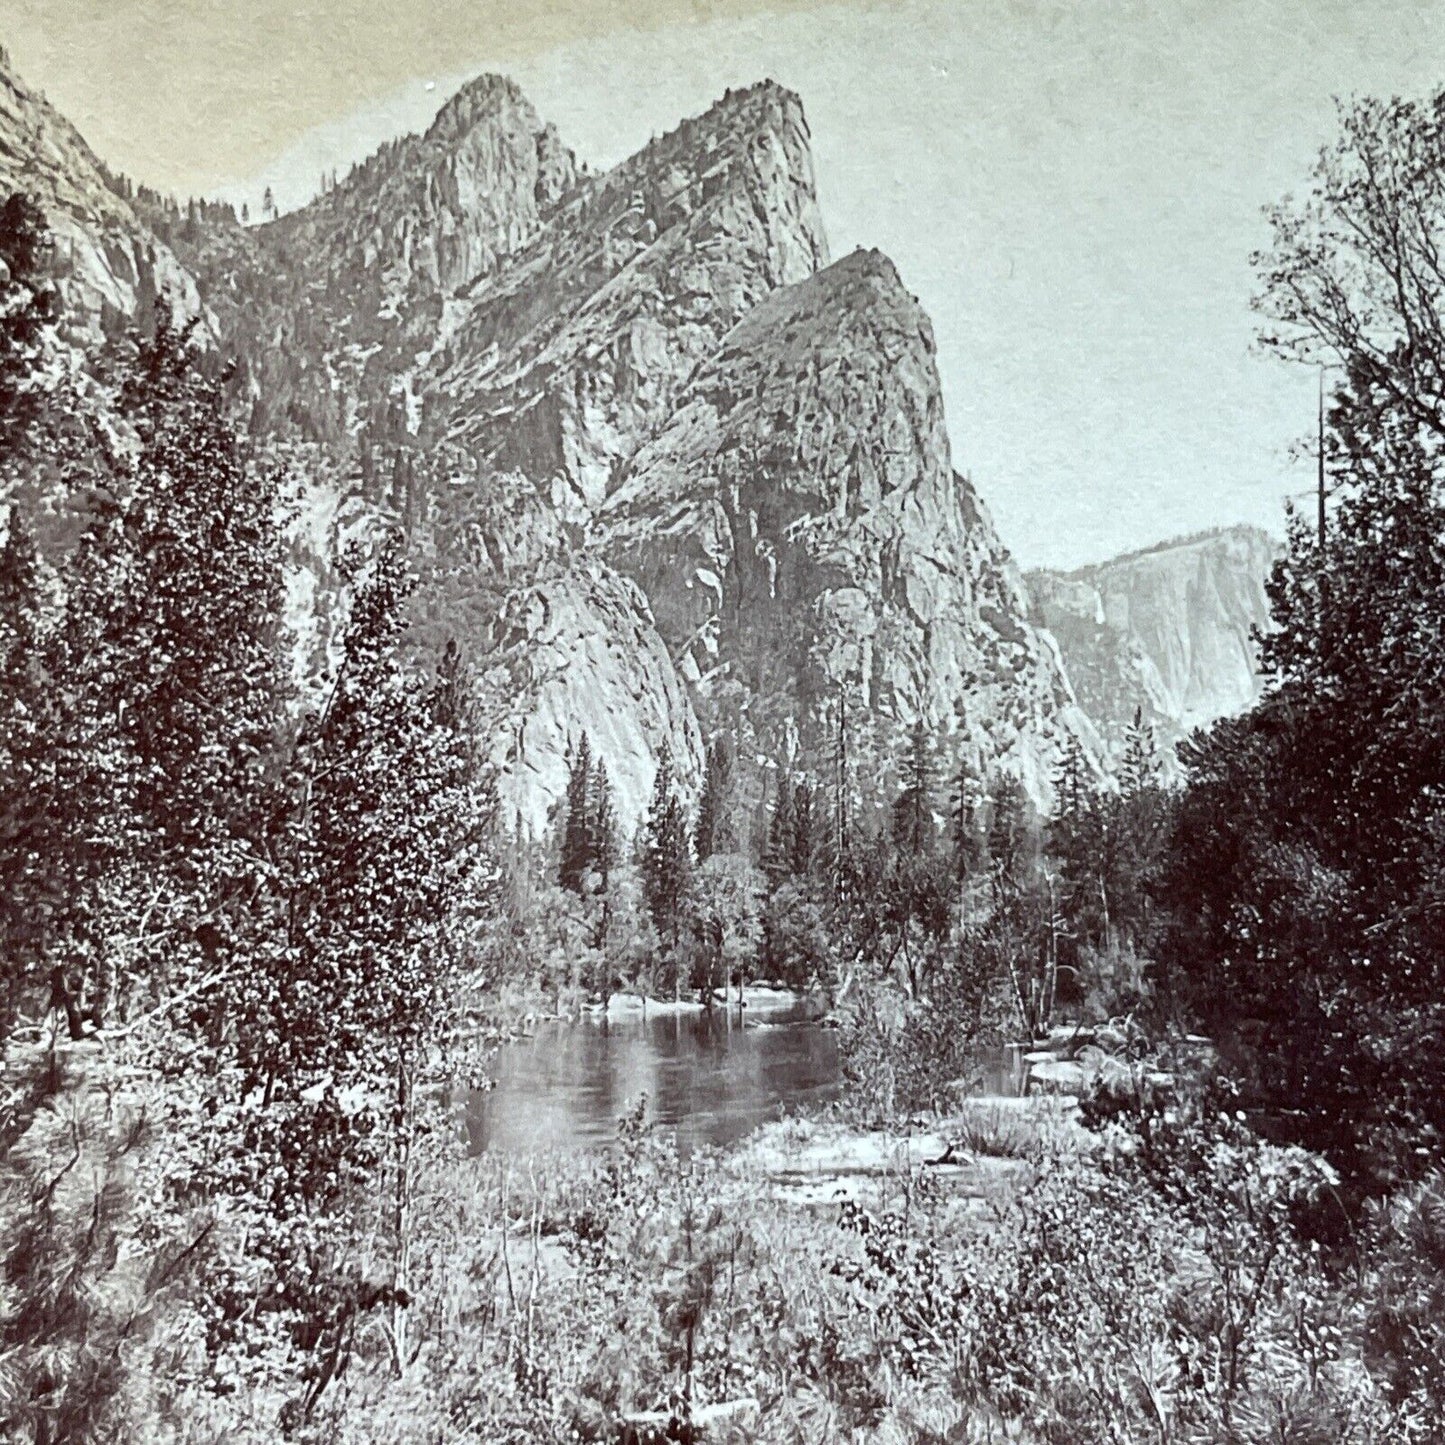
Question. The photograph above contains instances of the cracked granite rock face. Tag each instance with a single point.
(1169, 630)
(802, 533)
(702, 476)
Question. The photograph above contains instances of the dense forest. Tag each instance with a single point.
(260, 936)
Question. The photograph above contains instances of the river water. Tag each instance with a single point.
(706, 1076)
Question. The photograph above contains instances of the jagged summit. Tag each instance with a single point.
(765, 104)
(477, 101)
(338, 307)
(799, 528)
(562, 366)
(743, 94)
(435, 213)
(845, 352)
(856, 290)
(712, 470)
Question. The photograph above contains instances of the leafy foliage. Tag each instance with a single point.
(1305, 855)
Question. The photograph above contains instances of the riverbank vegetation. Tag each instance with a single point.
(251, 934)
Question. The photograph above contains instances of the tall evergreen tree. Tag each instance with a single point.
(913, 826)
(666, 860)
(1139, 767)
(793, 845)
(715, 832)
(1009, 844)
(382, 864)
(577, 842)
(1140, 817)
(782, 827)
(804, 843)
(964, 825)
(601, 825)
(1083, 843)
(1073, 783)
(170, 663)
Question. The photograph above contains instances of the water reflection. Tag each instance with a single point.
(704, 1075)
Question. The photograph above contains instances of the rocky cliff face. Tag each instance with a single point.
(1169, 630)
(562, 366)
(803, 536)
(664, 468)
(111, 264)
(588, 659)
(336, 309)
(430, 215)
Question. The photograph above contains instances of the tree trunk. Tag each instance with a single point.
(103, 995)
(401, 1214)
(62, 997)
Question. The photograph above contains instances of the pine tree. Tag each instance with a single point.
(666, 860)
(577, 857)
(1008, 826)
(714, 825)
(1089, 839)
(589, 831)
(963, 823)
(778, 859)
(804, 850)
(175, 686)
(1073, 784)
(286, 892)
(913, 827)
(1139, 826)
(383, 862)
(908, 890)
(1139, 768)
(601, 825)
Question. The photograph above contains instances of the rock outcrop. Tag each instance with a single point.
(666, 470)
(563, 365)
(587, 659)
(431, 215)
(804, 538)
(1169, 630)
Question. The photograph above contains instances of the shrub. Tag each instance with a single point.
(1405, 1310)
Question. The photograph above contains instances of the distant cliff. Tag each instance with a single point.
(1169, 630)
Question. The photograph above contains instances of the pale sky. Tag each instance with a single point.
(1072, 187)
